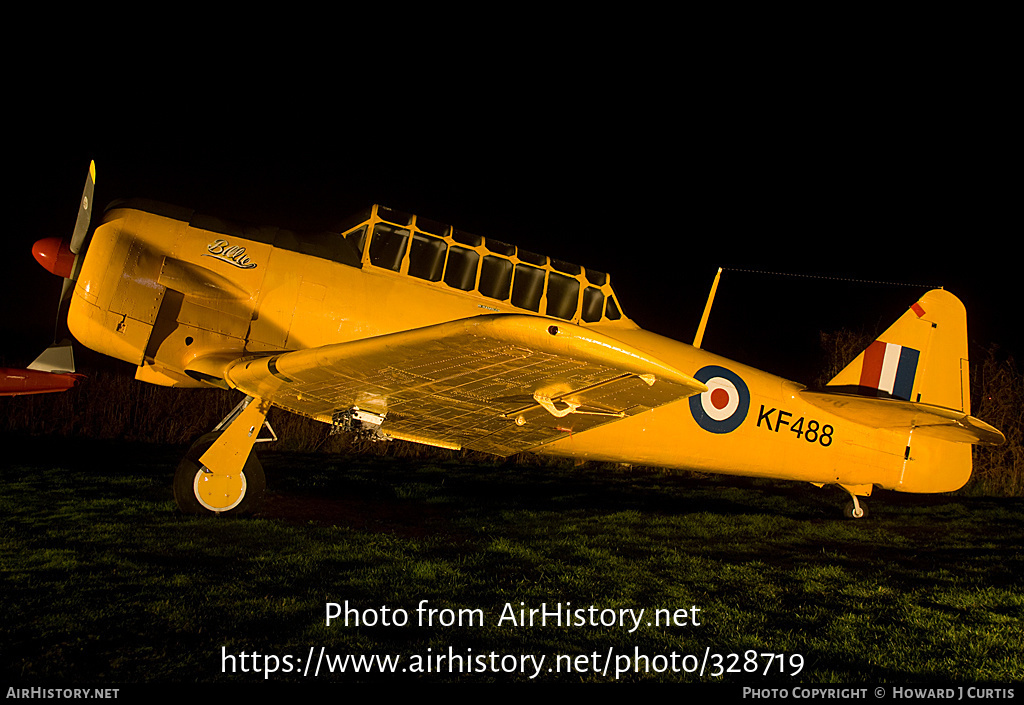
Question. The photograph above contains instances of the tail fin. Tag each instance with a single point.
(914, 380)
(921, 358)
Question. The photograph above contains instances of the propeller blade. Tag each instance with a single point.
(84, 210)
(60, 328)
(48, 252)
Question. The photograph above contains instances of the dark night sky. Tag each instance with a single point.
(657, 185)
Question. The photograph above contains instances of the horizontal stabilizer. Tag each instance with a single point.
(936, 421)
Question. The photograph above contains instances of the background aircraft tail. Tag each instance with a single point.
(914, 379)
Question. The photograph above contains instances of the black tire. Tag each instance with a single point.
(185, 476)
(848, 509)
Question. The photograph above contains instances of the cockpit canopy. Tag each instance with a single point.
(428, 250)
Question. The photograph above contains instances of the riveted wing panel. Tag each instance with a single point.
(501, 384)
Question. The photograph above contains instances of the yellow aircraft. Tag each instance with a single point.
(402, 327)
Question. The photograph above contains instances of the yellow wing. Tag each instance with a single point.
(500, 384)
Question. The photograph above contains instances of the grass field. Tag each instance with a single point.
(104, 582)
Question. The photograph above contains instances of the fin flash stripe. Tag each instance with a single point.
(890, 368)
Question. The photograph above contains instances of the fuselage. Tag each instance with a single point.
(177, 294)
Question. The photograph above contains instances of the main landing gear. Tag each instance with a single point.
(236, 483)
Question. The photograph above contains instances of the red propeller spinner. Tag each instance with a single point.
(55, 256)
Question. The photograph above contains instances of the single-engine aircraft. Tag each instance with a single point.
(406, 328)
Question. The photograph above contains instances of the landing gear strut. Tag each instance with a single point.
(856, 508)
(199, 490)
(232, 487)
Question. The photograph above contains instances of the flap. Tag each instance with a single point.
(501, 384)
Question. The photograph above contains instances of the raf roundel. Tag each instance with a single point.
(723, 407)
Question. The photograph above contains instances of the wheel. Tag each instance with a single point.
(199, 491)
(848, 511)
